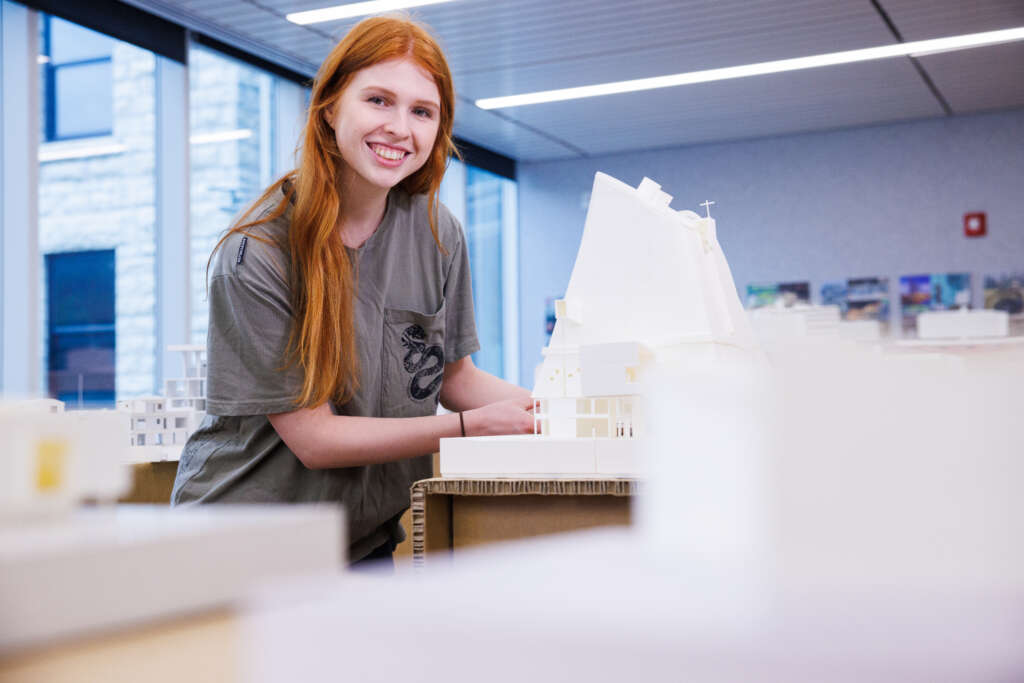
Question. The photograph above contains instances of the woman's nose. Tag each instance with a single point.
(398, 124)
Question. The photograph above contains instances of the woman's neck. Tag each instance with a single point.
(361, 212)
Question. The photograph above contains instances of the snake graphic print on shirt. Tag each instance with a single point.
(425, 363)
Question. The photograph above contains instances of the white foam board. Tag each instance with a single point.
(539, 456)
(600, 607)
(618, 457)
(99, 569)
(962, 324)
(510, 456)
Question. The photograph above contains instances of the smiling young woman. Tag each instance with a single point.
(340, 306)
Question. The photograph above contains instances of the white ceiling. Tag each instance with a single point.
(504, 47)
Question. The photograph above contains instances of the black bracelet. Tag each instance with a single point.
(462, 423)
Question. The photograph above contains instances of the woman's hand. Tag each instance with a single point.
(511, 416)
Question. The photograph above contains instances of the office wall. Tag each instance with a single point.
(882, 200)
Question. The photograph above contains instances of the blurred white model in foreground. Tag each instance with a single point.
(648, 281)
(53, 459)
(842, 514)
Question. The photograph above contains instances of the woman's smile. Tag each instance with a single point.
(388, 155)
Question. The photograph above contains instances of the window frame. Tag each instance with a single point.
(50, 69)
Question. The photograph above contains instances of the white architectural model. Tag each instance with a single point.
(160, 425)
(792, 323)
(963, 324)
(647, 279)
(53, 459)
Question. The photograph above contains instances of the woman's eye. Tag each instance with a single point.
(423, 113)
(375, 99)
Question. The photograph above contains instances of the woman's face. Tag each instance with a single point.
(385, 123)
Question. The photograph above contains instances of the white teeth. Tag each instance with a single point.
(387, 153)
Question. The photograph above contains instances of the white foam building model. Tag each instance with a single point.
(648, 281)
(963, 324)
(53, 459)
(160, 425)
(792, 323)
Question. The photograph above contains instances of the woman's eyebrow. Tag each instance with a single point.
(390, 93)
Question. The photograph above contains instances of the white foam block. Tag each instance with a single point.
(618, 457)
(962, 324)
(860, 330)
(515, 456)
(98, 569)
(598, 607)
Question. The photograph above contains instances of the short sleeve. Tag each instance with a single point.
(247, 341)
(460, 323)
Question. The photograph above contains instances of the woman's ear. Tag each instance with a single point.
(328, 116)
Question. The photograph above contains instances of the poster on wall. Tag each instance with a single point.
(549, 317)
(951, 290)
(934, 292)
(860, 298)
(1005, 293)
(867, 299)
(834, 294)
(915, 296)
(783, 294)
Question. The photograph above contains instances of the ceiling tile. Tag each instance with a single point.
(502, 47)
(923, 19)
(981, 79)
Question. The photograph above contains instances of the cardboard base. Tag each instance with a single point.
(530, 455)
(462, 513)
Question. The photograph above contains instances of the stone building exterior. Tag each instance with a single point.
(99, 192)
(226, 176)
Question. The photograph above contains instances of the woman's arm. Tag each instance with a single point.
(321, 439)
(466, 386)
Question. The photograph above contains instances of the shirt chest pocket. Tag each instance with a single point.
(413, 362)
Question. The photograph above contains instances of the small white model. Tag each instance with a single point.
(647, 278)
(963, 324)
(794, 323)
(160, 425)
(53, 459)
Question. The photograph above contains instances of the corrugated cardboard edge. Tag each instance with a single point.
(503, 487)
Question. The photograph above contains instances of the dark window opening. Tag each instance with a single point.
(80, 328)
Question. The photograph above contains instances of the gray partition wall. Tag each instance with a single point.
(883, 200)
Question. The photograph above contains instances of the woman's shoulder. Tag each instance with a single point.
(254, 250)
(449, 230)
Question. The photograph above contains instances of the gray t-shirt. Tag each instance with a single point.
(413, 314)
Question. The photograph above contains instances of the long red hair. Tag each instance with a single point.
(323, 338)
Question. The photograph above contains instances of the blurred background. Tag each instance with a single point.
(133, 132)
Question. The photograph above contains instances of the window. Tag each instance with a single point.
(483, 238)
(97, 212)
(485, 204)
(231, 156)
(80, 327)
(78, 84)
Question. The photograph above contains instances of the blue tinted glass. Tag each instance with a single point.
(80, 327)
(73, 43)
(483, 238)
(225, 95)
(84, 100)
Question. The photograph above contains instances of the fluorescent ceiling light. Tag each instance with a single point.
(59, 152)
(42, 59)
(355, 9)
(899, 49)
(221, 136)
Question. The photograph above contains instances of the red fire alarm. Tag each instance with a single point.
(974, 224)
